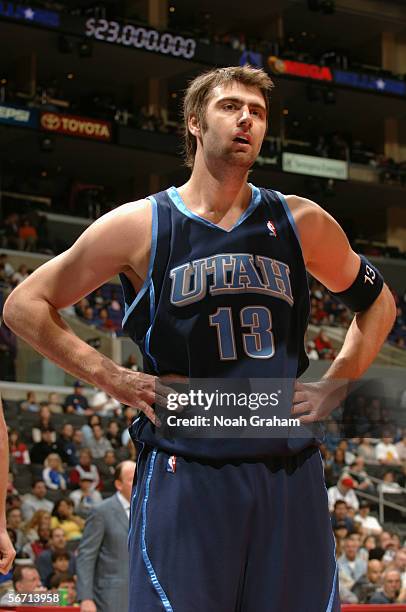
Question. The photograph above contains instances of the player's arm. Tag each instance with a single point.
(329, 258)
(7, 552)
(117, 242)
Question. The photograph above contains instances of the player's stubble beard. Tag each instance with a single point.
(222, 158)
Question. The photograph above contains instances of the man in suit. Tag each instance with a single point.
(102, 562)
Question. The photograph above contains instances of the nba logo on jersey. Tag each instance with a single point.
(171, 465)
(272, 229)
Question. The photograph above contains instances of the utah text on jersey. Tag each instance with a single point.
(230, 273)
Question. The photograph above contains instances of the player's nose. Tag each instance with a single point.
(245, 116)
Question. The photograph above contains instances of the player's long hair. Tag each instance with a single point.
(198, 94)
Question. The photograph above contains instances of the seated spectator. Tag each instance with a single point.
(113, 434)
(89, 316)
(369, 524)
(28, 235)
(60, 564)
(391, 588)
(359, 474)
(40, 518)
(87, 429)
(107, 470)
(99, 445)
(343, 490)
(76, 403)
(77, 439)
(64, 581)
(401, 447)
(85, 498)
(368, 544)
(368, 584)
(366, 451)
(8, 268)
(399, 563)
(350, 566)
(26, 579)
(35, 548)
(21, 274)
(336, 466)
(44, 422)
(128, 415)
(44, 560)
(14, 519)
(54, 473)
(30, 404)
(18, 450)
(54, 403)
(132, 363)
(389, 485)
(340, 518)
(63, 517)
(35, 501)
(323, 345)
(85, 466)
(104, 405)
(103, 321)
(66, 446)
(386, 452)
(40, 451)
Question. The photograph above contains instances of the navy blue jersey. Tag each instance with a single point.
(221, 304)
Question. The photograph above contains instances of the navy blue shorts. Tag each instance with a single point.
(249, 536)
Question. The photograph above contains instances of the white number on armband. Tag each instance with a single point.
(370, 275)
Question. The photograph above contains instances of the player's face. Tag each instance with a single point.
(236, 122)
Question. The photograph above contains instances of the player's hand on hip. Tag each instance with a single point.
(142, 391)
(7, 552)
(315, 401)
(88, 605)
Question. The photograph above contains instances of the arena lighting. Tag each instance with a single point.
(46, 144)
(85, 48)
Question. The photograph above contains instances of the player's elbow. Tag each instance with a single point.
(14, 308)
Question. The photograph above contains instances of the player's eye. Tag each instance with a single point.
(229, 106)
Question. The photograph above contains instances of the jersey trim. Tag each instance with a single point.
(151, 319)
(289, 215)
(148, 278)
(176, 198)
(151, 572)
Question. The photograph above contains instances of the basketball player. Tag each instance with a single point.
(214, 278)
(7, 552)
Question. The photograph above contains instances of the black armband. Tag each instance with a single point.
(364, 290)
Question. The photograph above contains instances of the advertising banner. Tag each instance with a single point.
(17, 115)
(73, 125)
(315, 166)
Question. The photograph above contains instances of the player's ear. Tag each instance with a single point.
(194, 125)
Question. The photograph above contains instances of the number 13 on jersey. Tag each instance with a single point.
(258, 342)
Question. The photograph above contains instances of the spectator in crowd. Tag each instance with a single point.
(44, 560)
(399, 563)
(369, 524)
(9, 228)
(359, 474)
(336, 466)
(66, 447)
(104, 405)
(386, 452)
(36, 500)
(21, 274)
(54, 403)
(340, 518)
(26, 579)
(350, 565)
(107, 469)
(132, 363)
(368, 544)
(30, 404)
(76, 402)
(103, 549)
(15, 521)
(391, 588)
(366, 451)
(323, 345)
(349, 456)
(54, 474)
(401, 448)
(60, 564)
(78, 439)
(128, 415)
(85, 466)
(99, 445)
(28, 235)
(311, 351)
(41, 543)
(64, 517)
(40, 451)
(8, 352)
(64, 581)
(113, 434)
(368, 584)
(85, 498)
(389, 484)
(40, 518)
(8, 268)
(89, 316)
(80, 307)
(44, 422)
(104, 323)
(343, 490)
(18, 450)
(87, 429)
